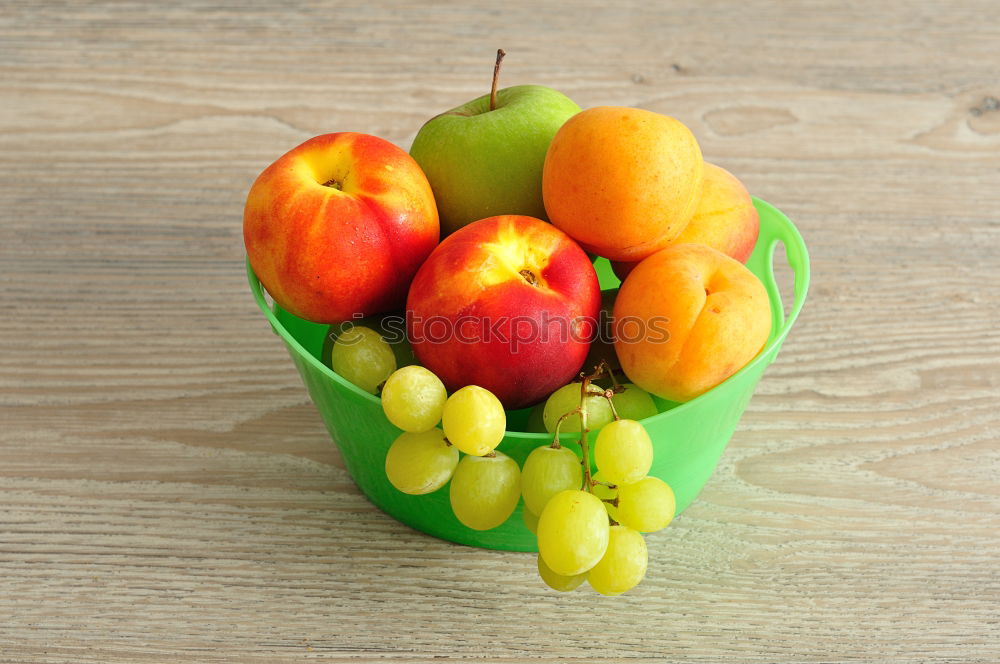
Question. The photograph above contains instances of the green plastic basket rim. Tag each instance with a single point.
(779, 229)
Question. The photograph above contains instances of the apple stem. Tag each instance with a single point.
(496, 77)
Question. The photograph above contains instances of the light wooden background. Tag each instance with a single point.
(168, 494)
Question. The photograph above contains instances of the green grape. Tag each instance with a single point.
(606, 493)
(547, 471)
(419, 463)
(536, 419)
(623, 565)
(634, 403)
(623, 452)
(390, 327)
(413, 398)
(485, 490)
(363, 358)
(567, 399)
(572, 532)
(647, 505)
(530, 521)
(563, 584)
(474, 420)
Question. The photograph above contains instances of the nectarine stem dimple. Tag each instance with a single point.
(334, 184)
(529, 276)
(496, 77)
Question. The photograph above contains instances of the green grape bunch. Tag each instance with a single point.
(593, 532)
(484, 485)
(589, 528)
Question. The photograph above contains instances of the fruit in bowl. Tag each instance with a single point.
(502, 313)
(484, 158)
(623, 182)
(687, 318)
(507, 303)
(686, 450)
(574, 514)
(337, 227)
(725, 219)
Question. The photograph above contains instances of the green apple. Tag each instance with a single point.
(482, 162)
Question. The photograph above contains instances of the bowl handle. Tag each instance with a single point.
(780, 229)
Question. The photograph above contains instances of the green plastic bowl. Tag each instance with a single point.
(689, 438)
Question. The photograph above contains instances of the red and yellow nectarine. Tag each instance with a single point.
(507, 303)
(337, 227)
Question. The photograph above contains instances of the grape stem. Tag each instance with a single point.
(584, 446)
(609, 394)
(562, 418)
(602, 370)
(615, 385)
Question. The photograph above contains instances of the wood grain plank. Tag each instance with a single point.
(168, 493)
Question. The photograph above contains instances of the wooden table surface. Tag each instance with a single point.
(169, 494)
